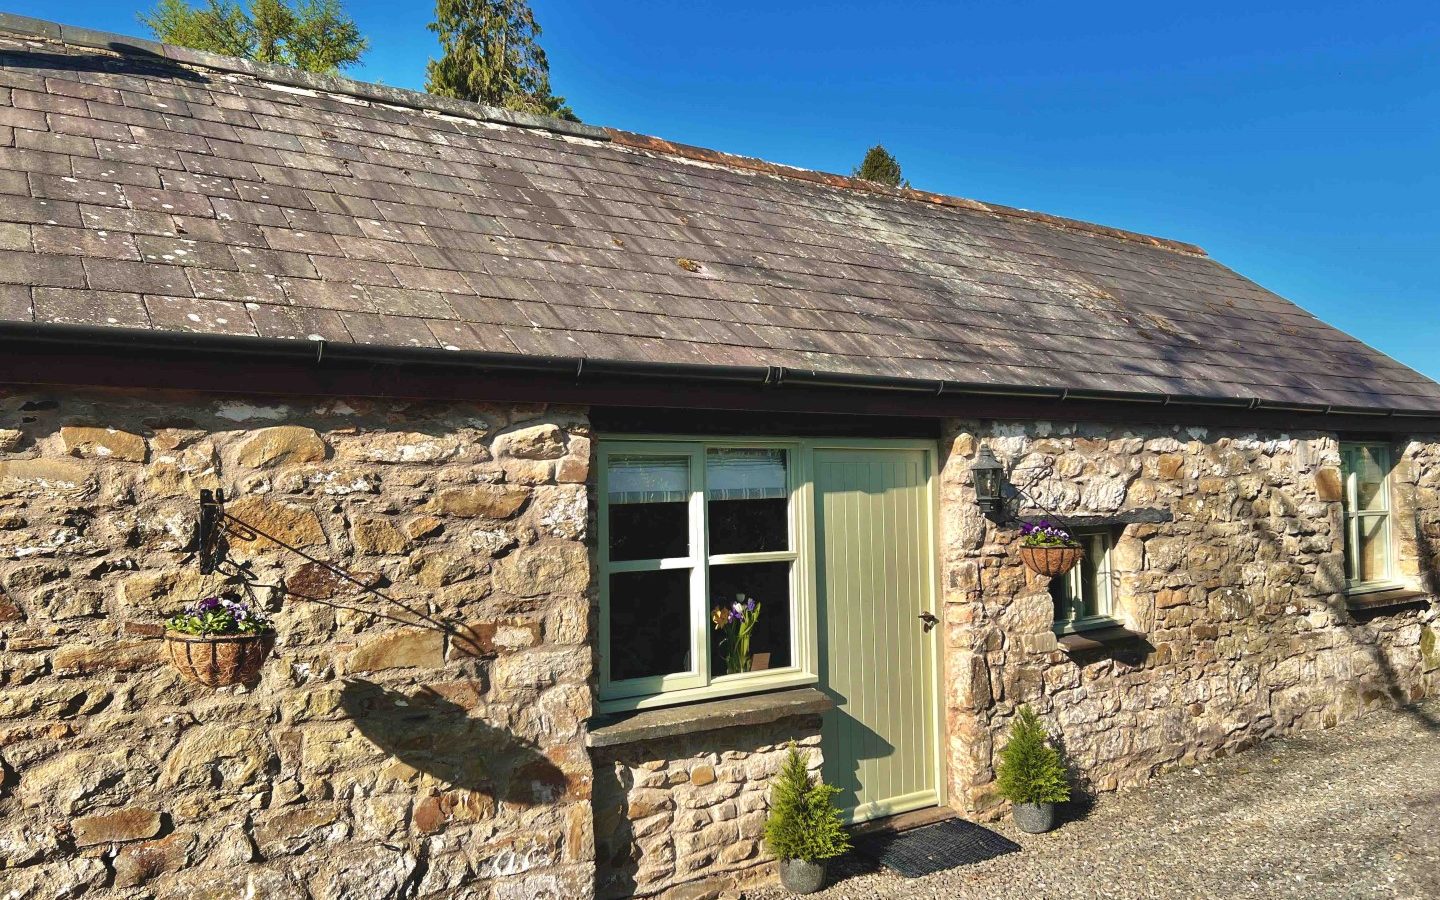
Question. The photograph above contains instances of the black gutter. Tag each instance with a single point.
(324, 353)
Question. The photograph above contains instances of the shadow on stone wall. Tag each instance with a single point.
(1356, 625)
(438, 737)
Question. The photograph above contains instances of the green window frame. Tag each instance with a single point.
(695, 679)
(1369, 527)
(1085, 596)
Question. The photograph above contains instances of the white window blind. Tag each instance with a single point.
(649, 479)
(745, 474)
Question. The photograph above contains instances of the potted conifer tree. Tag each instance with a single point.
(804, 829)
(1032, 775)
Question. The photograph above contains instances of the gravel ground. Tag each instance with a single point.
(1351, 812)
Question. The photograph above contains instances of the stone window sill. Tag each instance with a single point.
(1369, 601)
(654, 724)
(1115, 642)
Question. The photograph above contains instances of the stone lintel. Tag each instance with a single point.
(654, 724)
(1125, 517)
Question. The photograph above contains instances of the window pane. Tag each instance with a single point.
(1370, 470)
(1084, 591)
(748, 503)
(649, 623)
(649, 507)
(1374, 558)
(768, 584)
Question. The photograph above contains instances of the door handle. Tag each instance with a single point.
(928, 621)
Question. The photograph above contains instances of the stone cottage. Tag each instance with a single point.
(557, 391)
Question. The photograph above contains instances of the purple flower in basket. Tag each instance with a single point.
(218, 615)
(1045, 534)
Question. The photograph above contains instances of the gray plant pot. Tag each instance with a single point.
(802, 876)
(1034, 818)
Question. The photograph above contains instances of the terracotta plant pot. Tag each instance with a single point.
(217, 660)
(1051, 561)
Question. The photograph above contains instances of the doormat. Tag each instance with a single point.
(935, 848)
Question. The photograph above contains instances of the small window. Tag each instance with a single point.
(688, 530)
(1084, 596)
(1368, 552)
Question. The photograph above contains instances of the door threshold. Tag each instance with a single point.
(905, 821)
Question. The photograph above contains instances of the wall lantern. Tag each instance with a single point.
(989, 483)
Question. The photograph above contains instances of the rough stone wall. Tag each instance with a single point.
(1239, 598)
(684, 817)
(373, 759)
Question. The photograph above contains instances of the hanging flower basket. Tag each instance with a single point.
(217, 660)
(218, 642)
(1048, 550)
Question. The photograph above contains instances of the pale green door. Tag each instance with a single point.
(875, 554)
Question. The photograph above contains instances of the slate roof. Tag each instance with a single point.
(145, 187)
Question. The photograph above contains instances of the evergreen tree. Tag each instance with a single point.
(491, 54)
(314, 35)
(1031, 770)
(879, 166)
(804, 823)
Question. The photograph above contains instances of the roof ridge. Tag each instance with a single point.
(126, 45)
(814, 176)
(338, 84)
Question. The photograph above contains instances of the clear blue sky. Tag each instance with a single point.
(1299, 142)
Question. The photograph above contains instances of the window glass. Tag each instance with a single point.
(1366, 505)
(768, 584)
(747, 500)
(649, 623)
(1369, 480)
(1084, 593)
(649, 499)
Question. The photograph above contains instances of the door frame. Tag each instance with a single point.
(807, 520)
(931, 449)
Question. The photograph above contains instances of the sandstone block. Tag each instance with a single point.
(529, 471)
(438, 568)
(10, 439)
(137, 864)
(409, 648)
(571, 470)
(422, 527)
(1170, 467)
(292, 830)
(131, 824)
(400, 447)
(534, 442)
(219, 756)
(1327, 485)
(544, 568)
(491, 501)
(19, 476)
(296, 525)
(87, 659)
(280, 445)
(378, 536)
(103, 443)
(487, 638)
